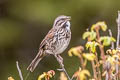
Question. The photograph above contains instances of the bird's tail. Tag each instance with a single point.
(35, 61)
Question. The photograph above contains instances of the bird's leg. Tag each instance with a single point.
(59, 58)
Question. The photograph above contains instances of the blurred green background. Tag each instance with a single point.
(24, 23)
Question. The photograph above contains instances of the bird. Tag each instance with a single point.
(55, 42)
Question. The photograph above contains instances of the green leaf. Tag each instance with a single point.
(101, 25)
(89, 56)
(93, 27)
(91, 35)
(92, 46)
(113, 39)
(86, 34)
(107, 40)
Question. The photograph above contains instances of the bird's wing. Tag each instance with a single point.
(49, 35)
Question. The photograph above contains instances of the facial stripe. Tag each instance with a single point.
(59, 20)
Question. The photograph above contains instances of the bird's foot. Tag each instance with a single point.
(59, 59)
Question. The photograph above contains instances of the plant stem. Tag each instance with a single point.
(118, 26)
(112, 44)
(93, 64)
(81, 61)
(19, 71)
(98, 68)
(94, 70)
(100, 46)
(117, 43)
(93, 67)
(58, 58)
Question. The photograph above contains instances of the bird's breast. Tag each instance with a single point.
(63, 42)
(59, 42)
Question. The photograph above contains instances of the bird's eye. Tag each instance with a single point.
(65, 25)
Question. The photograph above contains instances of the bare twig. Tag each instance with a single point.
(112, 44)
(118, 35)
(72, 77)
(82, 61)
(58, 57)
(106, 77)
(19, 71)
(94, 70)
(101, 47)
(98, 68)
(108, 69)
(109, 76)
(117, 43)
(93, 64)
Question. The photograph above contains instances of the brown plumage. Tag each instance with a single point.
(55, 42)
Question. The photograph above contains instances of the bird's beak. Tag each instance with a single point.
(68, 18)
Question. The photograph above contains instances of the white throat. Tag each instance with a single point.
(68, 25)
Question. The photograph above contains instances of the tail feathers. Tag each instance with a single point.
(35, 62)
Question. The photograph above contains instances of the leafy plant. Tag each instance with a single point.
(104, 67)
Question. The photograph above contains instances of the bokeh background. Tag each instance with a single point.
(24, 23)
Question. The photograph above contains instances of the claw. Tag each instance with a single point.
(60, 70)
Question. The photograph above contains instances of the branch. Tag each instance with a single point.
(19, 71)
(82, 61)
(98, 68)
(112, 44)
(100, 46)
(117, 43)
(60, 61)
(94, 68)
(107, 77)
(118, 35)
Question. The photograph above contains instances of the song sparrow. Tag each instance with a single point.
(55, 42)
